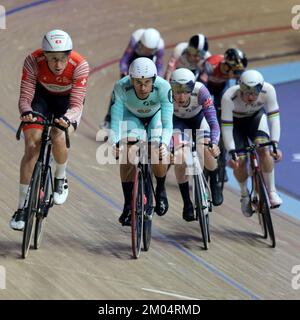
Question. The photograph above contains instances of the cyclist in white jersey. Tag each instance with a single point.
(245, 111)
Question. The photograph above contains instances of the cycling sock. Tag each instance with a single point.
(127, 192)
(60, 171)
(243, 187)
(23, 188)
(269, 178)
(160, 186)
(185, 193)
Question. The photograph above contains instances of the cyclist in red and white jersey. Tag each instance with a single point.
(246, 110)
(219, 69)
(54, 82)
(190, 55)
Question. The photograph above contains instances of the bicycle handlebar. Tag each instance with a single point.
(252, 148)
(44, 123)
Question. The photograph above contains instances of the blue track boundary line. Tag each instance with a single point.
(26, 6)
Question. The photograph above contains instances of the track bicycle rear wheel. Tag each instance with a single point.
(44, 205)
(137, 213)
(33, 202)
(264, 209)
(200, 211)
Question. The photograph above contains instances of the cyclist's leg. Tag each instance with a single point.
(32, 136)
(159, 167)
(241, 173)
(203, 134)
(260, 134)
(133, 132)
(182, 157)
(59, 106)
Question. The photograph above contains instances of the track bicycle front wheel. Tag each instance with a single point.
(200, 211)
(33, 202)
(137, 213)
(264, 209)
(44, 205)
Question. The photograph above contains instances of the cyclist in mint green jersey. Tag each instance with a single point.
(142, 101)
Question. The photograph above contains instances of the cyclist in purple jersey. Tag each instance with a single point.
(194, 109)
(143, 43)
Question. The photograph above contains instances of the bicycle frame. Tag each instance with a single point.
(37, 200)
(259, 196)
(141, 222)
(201, 192)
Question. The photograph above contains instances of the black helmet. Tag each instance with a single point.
(199, 42)
(236, 58)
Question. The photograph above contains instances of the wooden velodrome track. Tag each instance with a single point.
(86, 254)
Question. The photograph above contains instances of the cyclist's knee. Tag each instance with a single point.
(32, 149)
(127, 172)
(58, 138)
(263, 153)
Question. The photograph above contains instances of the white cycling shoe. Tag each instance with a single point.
(275, 200)
(61, 190)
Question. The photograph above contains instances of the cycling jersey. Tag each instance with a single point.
(234, 107)
(201, 100)
(72, 82)
(179, 60)
(133, 51)
(125, 102)
(212, 67)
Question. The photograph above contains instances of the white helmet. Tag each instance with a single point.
(182, 79)
(142, 68)
(150, 38)
(251, 81)
(57, 41)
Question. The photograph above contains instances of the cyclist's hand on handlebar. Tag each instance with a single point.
(214, 150)
(277, 156)
(234, 164)
(28, 117)
(234, 161)
(116, 150)
(163, 151)
(63, 122)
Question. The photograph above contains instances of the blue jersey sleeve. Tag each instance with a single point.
(117, 112)
(166, 111)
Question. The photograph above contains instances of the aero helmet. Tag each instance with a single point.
(182, 80)
(251, 81)
(150, 38)
(236, 58)
(142, 68)
(199, 42)
(57, 41)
